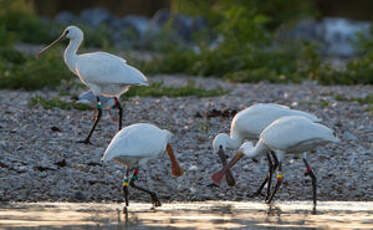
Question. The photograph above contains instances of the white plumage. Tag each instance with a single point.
(296, 134)
(133, 146)
(291, 134)
(136, 144)
(250, 122)
(105, 74)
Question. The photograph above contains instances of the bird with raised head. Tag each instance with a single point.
(105, 74)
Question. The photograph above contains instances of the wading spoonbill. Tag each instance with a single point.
(287, 135)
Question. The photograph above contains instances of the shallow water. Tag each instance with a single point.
(192, 215)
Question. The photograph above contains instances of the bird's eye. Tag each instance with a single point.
(220, 147)
(67, 32)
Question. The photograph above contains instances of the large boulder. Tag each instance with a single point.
(336, 35)
(96, 16)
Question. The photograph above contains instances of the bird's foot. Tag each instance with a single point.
(258, 193)
(314, 211)
(85, 141)
(212, 185)
(156, 202)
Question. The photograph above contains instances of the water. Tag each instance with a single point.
(195, 215)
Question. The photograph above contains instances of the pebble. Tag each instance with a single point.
(49, 166)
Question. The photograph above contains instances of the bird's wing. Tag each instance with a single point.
(104, 68)
(140, 140)
(290, 131)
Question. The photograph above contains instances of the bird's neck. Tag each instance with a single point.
(234, 141)
(70, 53)
(259, 148)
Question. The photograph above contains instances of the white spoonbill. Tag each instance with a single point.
(104, 73)
(292, 134)
(133, 146)
(248, 124)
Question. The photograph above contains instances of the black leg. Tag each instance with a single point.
(310, 173)
(153, 196)
(278, 183)
(269, 175)
(98, 117)
(275, 165)
(120, 112)
(125, 189)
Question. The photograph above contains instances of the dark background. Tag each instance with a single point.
(354, 9)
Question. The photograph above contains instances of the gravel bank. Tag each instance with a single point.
(40, 163)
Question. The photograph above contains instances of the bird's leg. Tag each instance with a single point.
(99, 114)
(278, 183)
(228, 174)
(267, 179)
(274, 167)
(154, 197)
(125, 184)
(120, 112)
(111, 115)
(309, 172)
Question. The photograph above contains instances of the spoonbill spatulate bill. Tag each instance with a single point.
(105, 74)
(287, 135)
(248, 124)
(133, 146)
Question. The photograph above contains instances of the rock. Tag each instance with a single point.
(96, 16)
(79, 196)
(137, 23)
(66, 18)
(335, 34)
(349, 136)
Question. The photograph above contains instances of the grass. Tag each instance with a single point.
(362, 100)
(155, 90)
(158, 90)
(32, 74)
(57, 103)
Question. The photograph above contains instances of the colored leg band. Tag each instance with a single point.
(308, 169)
(279, 177)
(116, 100)
(125, 182)
(99, 106)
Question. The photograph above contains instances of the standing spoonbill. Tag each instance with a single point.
(292, 134)
(248, 124)
(133, 146)
(105, 74)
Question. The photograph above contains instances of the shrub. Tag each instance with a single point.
(48, 70)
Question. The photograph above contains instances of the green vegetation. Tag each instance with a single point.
(158, 90)
(57, 103)
(362, 100)
(155, 90)
(247, 52)
(19, 22)
(29, 73)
